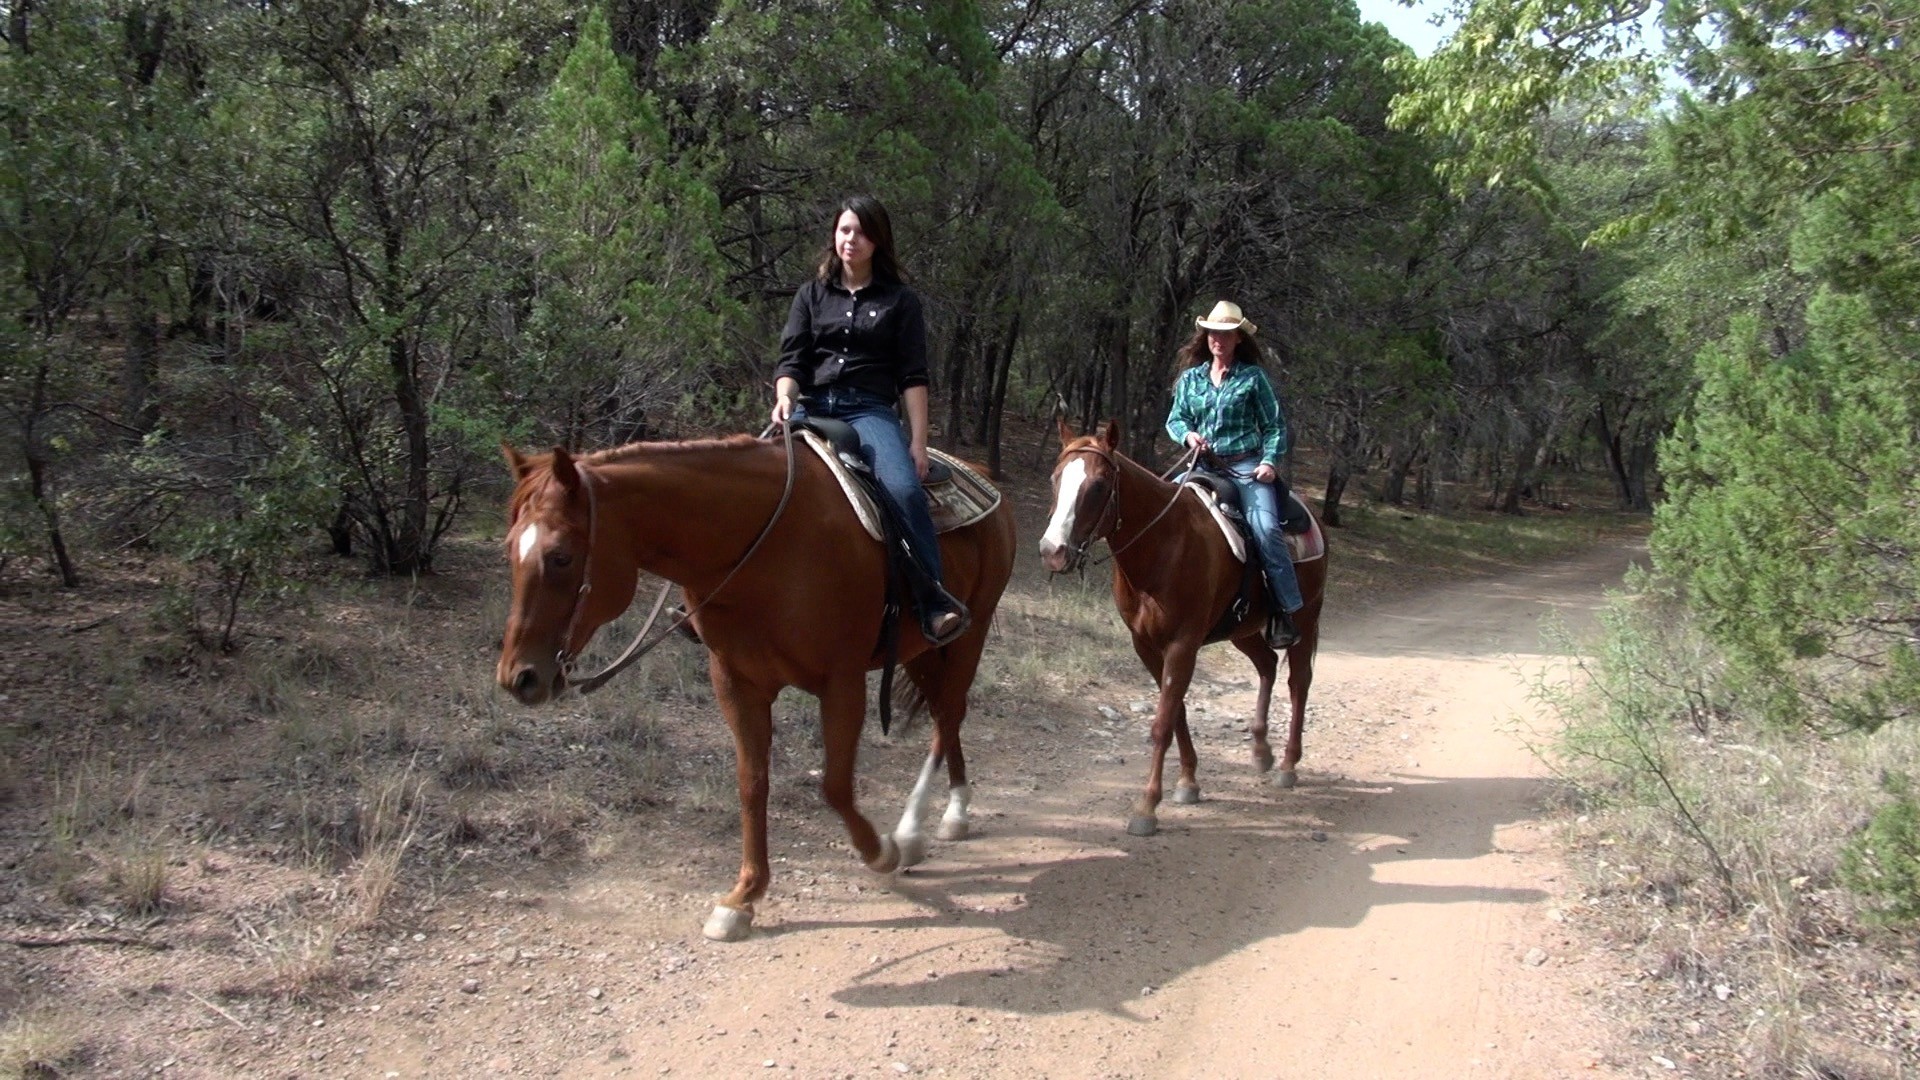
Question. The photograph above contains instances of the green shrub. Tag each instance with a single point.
(1882, 860)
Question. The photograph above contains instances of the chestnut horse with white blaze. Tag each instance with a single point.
(1174, 577)
(804, 609)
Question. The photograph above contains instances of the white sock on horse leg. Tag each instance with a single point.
(908, 834)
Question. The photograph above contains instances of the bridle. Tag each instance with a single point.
(566, 657)
(1112, 508)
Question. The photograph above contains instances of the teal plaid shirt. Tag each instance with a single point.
(1240, 416)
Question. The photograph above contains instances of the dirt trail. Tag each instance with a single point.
(1397, 915)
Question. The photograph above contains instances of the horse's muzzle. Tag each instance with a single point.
(1058, 558)
(530, 686)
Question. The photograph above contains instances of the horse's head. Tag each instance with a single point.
(1085, 496)
(567, 578)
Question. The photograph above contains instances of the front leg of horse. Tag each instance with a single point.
(843, 710)
(1299, 682)
(1186, 790)
(750, 716)
(1266, 664)
(1176, 672)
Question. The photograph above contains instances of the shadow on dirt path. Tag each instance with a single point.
(1397, 915)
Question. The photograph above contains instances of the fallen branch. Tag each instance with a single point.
(86, 939)
(236, 1020)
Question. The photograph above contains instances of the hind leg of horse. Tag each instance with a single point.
(1299, 681)
(1266, 663)
(960, 662)
(843, 710)
(1173, 671)
(942, 677)
(749, 713)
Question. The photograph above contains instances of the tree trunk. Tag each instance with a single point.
(37, 481)
(340, 532)
(1527, 467)
(1346, 451)
(997, 403)
(959, 353)
(1400, 459)
(1627, 465)
(407, 550)
(1330, 500)
(139, 370)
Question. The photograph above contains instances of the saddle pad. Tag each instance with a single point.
(959, 501)
(1301, 547)
(1235, 539)
(1309, 545)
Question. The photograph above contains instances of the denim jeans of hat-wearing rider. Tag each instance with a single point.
(1262, 507)
(883, 443)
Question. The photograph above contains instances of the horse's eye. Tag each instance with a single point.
(559, 560)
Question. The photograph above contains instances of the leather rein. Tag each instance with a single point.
(1112, 507)
(636, 649)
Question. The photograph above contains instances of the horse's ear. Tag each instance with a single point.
(1067, 434)
(514, 461)
(1110, 434)
(563, 469)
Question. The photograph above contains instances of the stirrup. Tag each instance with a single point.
(942, 628)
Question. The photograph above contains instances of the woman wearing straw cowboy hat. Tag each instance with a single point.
(1224, 402)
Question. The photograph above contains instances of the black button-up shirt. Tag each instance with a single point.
(875, 339)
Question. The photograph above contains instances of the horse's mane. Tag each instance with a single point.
(540, 465)
(636, 449)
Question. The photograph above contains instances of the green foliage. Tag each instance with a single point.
(1794, 485)
(1882, 861)
(627, 284)
(240, 533)
(373, 146)
(1508, 65)
(1652, 690)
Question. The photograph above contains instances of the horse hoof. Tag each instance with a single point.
(1286, 779)
(728, 923)
(1186, 794)
(1262, 759)
(952, 830)
(888, 860)
(1143, 825)
(913, 849)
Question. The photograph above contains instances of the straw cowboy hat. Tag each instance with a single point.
(1226, 316)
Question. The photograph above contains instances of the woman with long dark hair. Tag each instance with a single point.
(854, 349)
(1224, 402)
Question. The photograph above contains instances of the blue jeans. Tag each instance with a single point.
(1262, 507)
(883, 444)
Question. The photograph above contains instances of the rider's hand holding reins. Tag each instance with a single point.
(1264, 473)
(784, 391)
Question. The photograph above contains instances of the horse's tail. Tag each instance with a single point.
(910, 695)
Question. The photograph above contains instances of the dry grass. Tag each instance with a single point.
(387, 824)
(137, 860)
(1721, 839)
(302, 957)
(553, 820)
(42, 1043)
(1055, 639)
